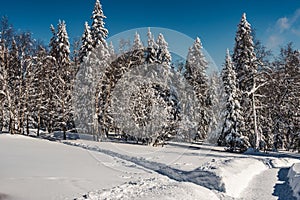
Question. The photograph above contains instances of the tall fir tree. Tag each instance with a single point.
(152, 48)
(14, 83)
(233, 128)
(285, 99)
(38, 90)
(163, 54)
(53, 42)
(63, 81)
(86, 42)
(195, 74)
(4, 93)
(137, 43)
(98, 31)
(217, 102)
(246, 65)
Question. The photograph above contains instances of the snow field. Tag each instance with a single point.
(41, 169)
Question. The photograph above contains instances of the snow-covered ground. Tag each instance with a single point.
(39, 169)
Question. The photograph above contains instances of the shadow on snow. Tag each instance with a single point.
(198, 176)
(282, 189)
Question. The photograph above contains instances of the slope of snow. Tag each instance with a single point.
(238, 173)
(153, 188)
(294, 179)
(262, 186)
(41, 169)
(205, 166)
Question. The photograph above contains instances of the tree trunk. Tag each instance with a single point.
(38, 127)
(2, 118)
(27, 124)
(64, 132)
(257, 137)
(10, 128)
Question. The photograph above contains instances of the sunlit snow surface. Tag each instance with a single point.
(39, 169)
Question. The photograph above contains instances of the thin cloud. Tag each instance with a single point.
(275, 41)
(283, 28)
(283, 24)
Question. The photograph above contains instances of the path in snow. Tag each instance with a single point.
(198, 176)
(262, 186)
(271, 184)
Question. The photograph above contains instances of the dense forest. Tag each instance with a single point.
(141, 95)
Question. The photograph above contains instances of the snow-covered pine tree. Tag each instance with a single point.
(233, 128)
(14, 83)
(246, 65)
(86, 42)
(265, 94)
(53, 42)
(195, 74)
(286, 101)
(7, 32)
(63, 47)
(163, 54)
(152, 48)
(4, 95)
(91, 93)
(98, 31)
(137, 43)
(50, 70)
(37, 90)
(217, 102)
(91, 98)
(25, 44)
(63, 81)
(75, 55)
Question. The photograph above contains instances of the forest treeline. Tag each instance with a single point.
(253, 102)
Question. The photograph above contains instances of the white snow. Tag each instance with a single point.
(294, 179)
(238, 173)
(39, 169)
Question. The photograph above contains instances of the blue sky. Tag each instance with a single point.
(214, 21)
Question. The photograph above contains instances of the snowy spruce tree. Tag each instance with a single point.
(86, 42)
(152, 48)
(137, 43)
(53, 42)
(40, 92)
(285, 99)
(5, 98)
(90, 92)
(195, 74)
(63, 81)
(216, 100)
(14, 75)
(90, 95)
(233, 128)
(163, 54)
(98, 31)
(246, 65)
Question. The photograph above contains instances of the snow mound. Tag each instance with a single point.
(237, 174)
(153, 188)
(294, 179)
